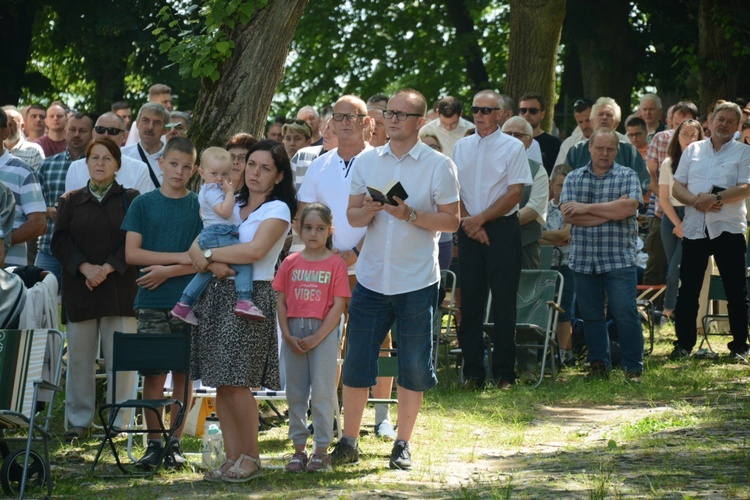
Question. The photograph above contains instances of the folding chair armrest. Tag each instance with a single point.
(450, 308)
(43, 384)
(554, 305)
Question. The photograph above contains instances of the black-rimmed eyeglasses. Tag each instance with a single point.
(400, 115)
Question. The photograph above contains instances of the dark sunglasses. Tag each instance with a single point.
(485, 110)
(301, 123)
(531, 111)
(109, 130)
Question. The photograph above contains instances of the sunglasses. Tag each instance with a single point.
(109, 130)
(301, 123)
(531, 111)
(485, 110)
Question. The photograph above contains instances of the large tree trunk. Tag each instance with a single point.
(535, 27)
(239, 101)
(610, 50)
(717, 62)
(16, 21)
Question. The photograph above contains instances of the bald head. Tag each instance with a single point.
(110, 125)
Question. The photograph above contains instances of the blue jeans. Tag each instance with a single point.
(673, 250)
(371, 315)
(620, 289)
(49, 262)
(220, 235)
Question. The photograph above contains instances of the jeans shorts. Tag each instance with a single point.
(371, 316)
(159, 321)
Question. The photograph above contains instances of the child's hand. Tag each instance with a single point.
(227, 187)
(155, 276)
(293, 344)
(310, 343)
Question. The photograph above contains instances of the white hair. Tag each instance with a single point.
(513, 120)
(607, 101)
(652, 97)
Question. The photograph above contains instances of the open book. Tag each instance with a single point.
(393, 188)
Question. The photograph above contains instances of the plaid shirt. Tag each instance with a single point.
(612, 245)
(51, 175)
(657, 151)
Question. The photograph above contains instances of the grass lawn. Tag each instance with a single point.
(682, 433)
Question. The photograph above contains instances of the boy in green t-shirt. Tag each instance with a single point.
(161, 226)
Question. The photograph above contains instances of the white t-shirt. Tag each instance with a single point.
(397, 256)
(263, 269)
(209, 196)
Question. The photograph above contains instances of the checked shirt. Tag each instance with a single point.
(51, 175)
(612, 245)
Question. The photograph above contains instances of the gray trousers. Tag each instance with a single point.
(311, 377)
(83, 349)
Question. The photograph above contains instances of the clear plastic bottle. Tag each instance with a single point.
(213, 444)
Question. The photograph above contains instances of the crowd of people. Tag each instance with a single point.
(286, 236)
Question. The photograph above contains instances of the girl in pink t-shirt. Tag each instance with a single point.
(313, 286)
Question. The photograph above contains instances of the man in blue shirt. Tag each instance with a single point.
(601, 201)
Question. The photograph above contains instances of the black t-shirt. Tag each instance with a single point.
(550, 146)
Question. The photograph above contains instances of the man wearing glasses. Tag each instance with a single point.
(133, 173)
(51, 175)
(531, 108)
(492, 170)
(398, 272)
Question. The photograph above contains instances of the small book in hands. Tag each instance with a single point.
(394, 188)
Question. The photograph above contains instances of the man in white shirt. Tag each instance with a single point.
(449, 127)
(328, 181)
(398, 272)
(152, 125)
(492, 169)
(158, 93)
(713, 180)
(133, 173)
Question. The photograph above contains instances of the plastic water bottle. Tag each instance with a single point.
(213, 444)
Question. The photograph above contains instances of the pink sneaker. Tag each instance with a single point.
(183, 312)
(247, 309)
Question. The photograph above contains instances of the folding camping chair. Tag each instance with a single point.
(712, 319)
(647, 295)
(22, 359)
(447, 311)
(537, 312)
(145, 352)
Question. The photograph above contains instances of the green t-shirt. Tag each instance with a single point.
(165, 225)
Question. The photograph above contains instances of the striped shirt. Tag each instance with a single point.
(27, 191)
(52, 174)
(608, 246)
(30, 152)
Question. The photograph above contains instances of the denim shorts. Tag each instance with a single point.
(371, 316)
(159, 321)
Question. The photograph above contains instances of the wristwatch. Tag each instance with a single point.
(717, 197)
(208, 254)
(412, 215)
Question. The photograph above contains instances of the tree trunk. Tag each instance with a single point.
(610, 50)
(240, 99)
(16, 21)
(717, 63)
(468, 44)
(535, 27)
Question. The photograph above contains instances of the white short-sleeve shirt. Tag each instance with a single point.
(701, 169)
(397, 256)
(263, 269)
(487, 166)
(327, 181)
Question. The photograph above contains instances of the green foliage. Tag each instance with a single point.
(365, 47)
(197, 38)
(91, 53)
